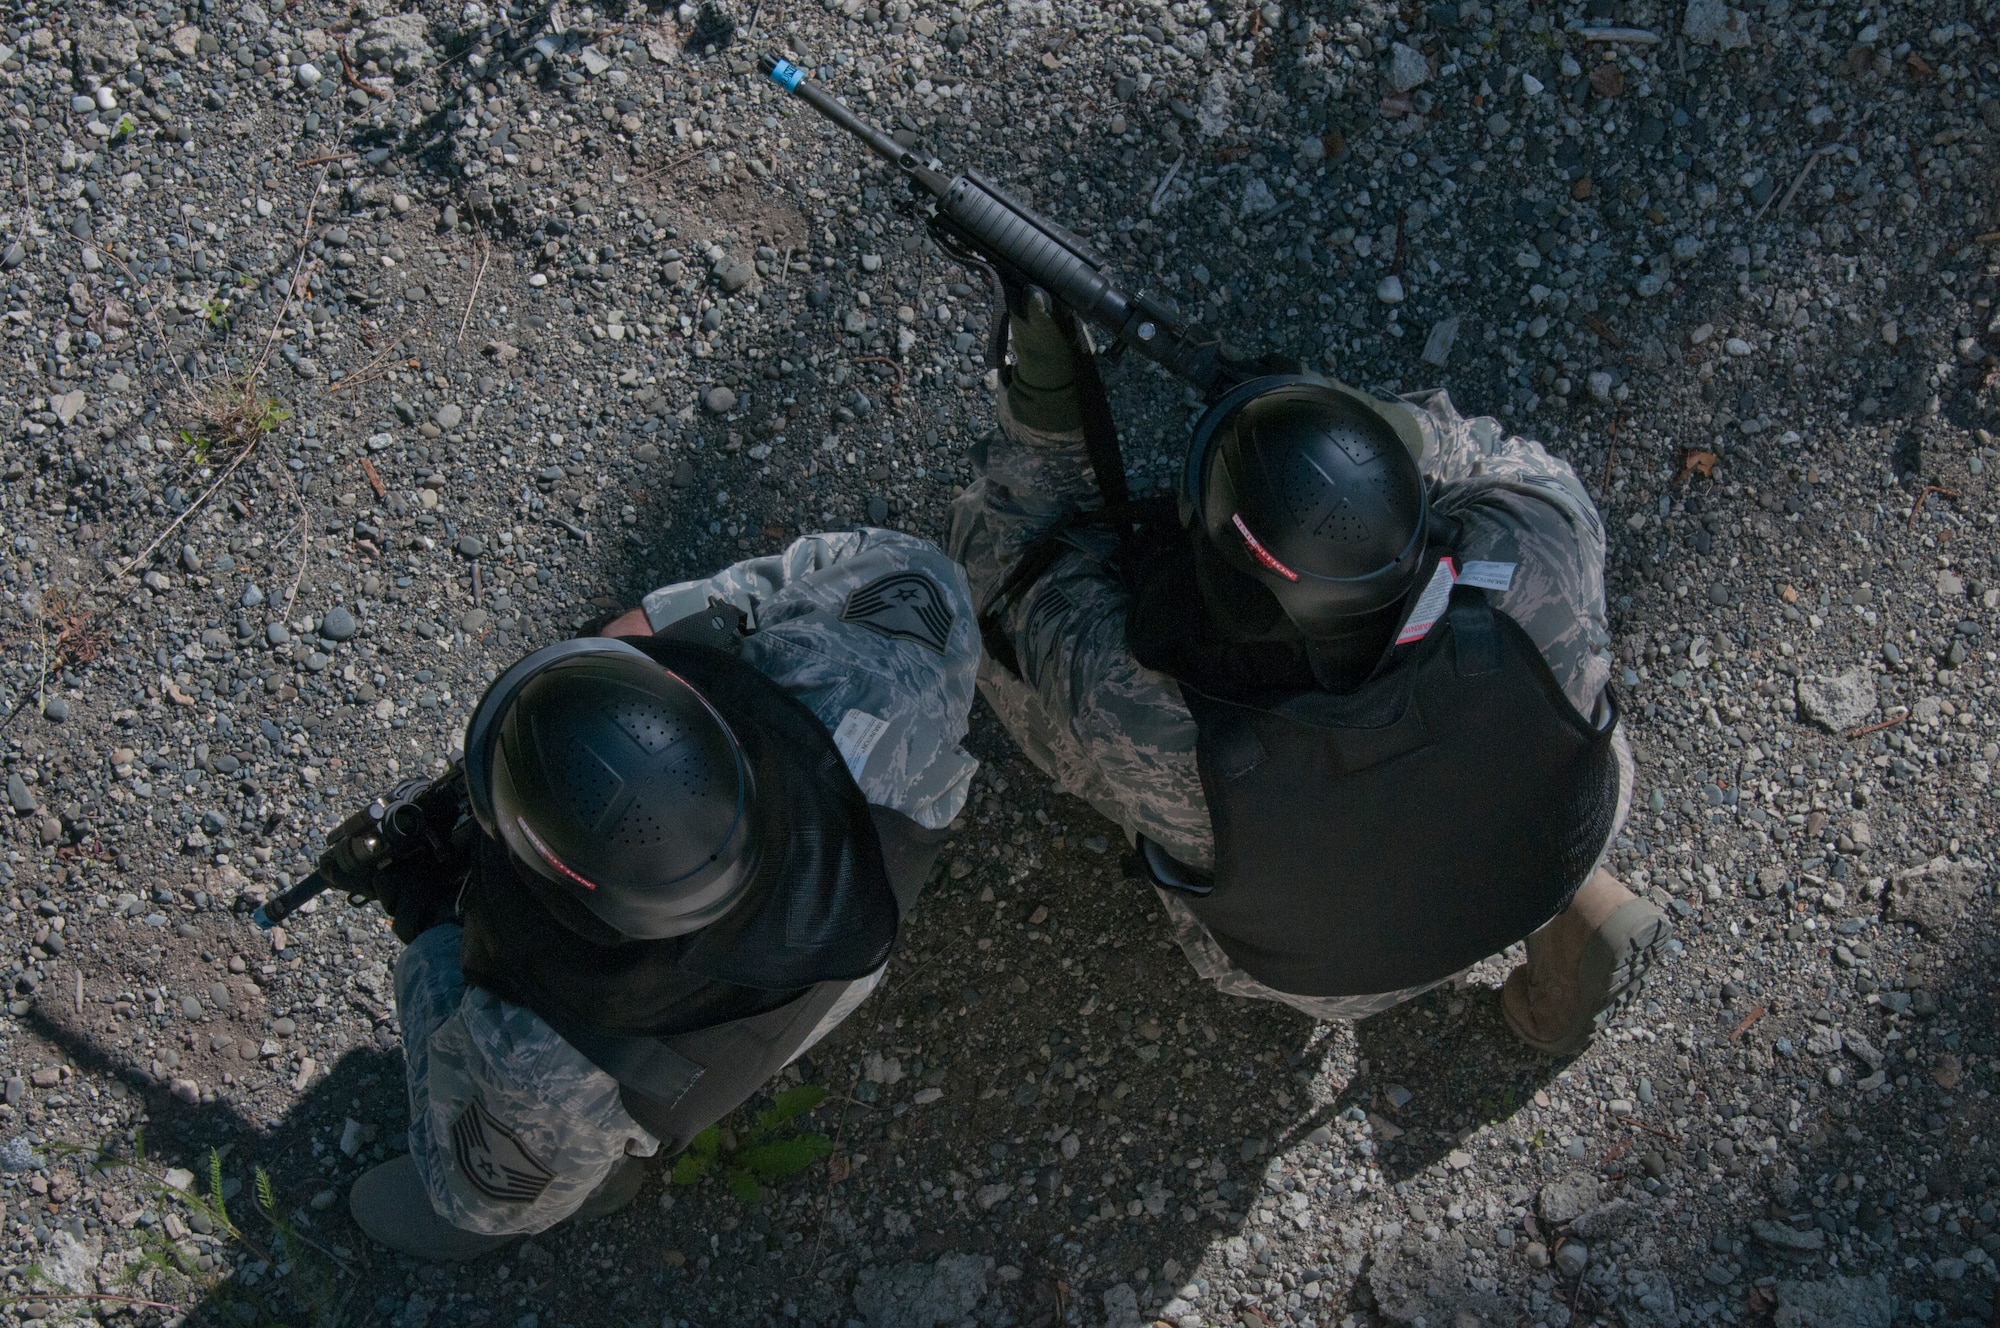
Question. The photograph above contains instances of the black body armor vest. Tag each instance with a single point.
(1387, 837)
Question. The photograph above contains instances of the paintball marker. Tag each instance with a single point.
(421, 831)
(978, 223)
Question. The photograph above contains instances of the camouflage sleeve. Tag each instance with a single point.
(874, 631)
(1520, 505)
(510, 1127)
(1104, 728)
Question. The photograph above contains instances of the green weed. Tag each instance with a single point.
(768, 1151)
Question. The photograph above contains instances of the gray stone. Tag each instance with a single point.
(470, 546)
(72, 1263)
(1421, 1280)
(921, 1295)
(719, 400)
(337, 625)
(1571, 1257)
(1931, 897)
(448, 417)
(736, 276)
(474, 621)
(275, 634)
(1604, 1219)
(1568, 1199)
(1838, 704)
(1838, 1302)
(252, 598)
(1121, 1307)
(1408, 68)
(1716, 23)
(56, 711)
(1437, 346)
(1785, 1236)
(19, 796)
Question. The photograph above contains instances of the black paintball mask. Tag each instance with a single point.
(620, 788)
(1309, 518)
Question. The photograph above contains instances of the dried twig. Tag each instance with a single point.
(305, 542)
(1153, 204)
(329, 157)
(1917, 508)
(1603, 330)
(347, 71)
(42, 1293)
(192, 508)
(1756, 1013)
(1655, 1130)
(292, 286)
(374, 478)
(1797, 183)
(1889, 723)
(896, 392)
(485, 253)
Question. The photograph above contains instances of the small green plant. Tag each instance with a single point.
(216, 310)
(768, 1151)
(228, 414)
(126, 125)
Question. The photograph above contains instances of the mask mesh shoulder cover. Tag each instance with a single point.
(619, 783)
(1314, 495)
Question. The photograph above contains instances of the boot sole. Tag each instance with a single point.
(1616, 960)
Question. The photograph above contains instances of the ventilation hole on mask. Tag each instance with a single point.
(591, 783)
(1306, 491)
(648, 725)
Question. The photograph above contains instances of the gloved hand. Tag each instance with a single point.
(417, 899)
(1041, 389)
(417, 893)
(1240, 366)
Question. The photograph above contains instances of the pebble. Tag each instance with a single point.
(448, 417)
(1408, 69)
(1571, 1257)
(307, 75)
(1389, 290)
(337, 624)
(470, 546)
(719, 400)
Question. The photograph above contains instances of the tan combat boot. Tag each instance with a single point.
(1588, 960)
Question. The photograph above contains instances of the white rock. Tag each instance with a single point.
(1716, 23)
(1407, 68)
(1737, 347)
(1389, 290)
(1701, 334)
(1531, 85)
(1600, 385)
(307, 75)
(1437, 346)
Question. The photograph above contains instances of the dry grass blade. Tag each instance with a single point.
(485, 253)
(192, 508)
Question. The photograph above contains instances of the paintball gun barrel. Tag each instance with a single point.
(419, 824)
(973, 218)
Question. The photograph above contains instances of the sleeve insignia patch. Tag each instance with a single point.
(904, 606)
(493, 1159)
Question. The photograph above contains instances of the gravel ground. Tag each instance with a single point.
(350, 354)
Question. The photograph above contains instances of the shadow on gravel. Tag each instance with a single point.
(309, 1174)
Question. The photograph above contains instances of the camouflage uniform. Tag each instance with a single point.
(874, 632)
(1119, 736)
